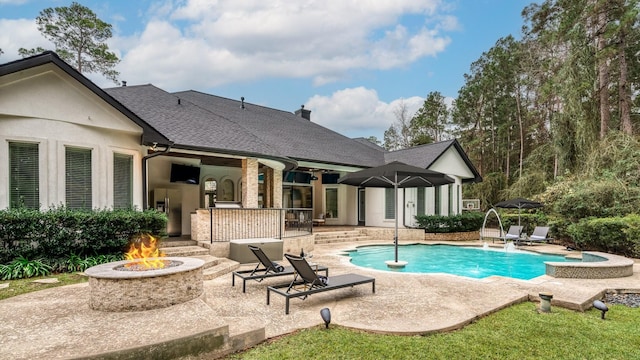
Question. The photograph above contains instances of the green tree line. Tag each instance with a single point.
(534, 110)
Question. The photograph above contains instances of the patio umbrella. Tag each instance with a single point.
(519, 203)
(396, 175)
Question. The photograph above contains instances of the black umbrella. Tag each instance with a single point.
(396, 175)
(519, 203)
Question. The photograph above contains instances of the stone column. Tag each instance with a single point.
(267, 201)
(277, 189)
(250, 183)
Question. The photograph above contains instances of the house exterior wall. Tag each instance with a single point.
(48, 109)
(452, 164)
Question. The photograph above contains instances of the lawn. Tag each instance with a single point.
(23, 286)
(519, 332)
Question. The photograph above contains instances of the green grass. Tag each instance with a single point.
(518, 332)
(23, 286)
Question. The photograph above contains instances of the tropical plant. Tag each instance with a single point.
(24, 268)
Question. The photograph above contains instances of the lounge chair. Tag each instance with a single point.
(540, 234)
(514, 233)
(309, 282)
(270, 269)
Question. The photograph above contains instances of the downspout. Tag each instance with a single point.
(145, 185)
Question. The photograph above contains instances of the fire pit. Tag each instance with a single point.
(129, 285)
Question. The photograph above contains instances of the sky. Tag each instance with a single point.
(351, 62)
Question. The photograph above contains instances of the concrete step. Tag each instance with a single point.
(223, 267)
(175, 242)
(340, 236)
(337, 234)
(192, 250)
(209, 260)
(343, 239)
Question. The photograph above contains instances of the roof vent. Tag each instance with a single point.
(242, 102)
(124, 83)
(305, 114)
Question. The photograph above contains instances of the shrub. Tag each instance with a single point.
(56, 233)
(467, 221)
(617, 235)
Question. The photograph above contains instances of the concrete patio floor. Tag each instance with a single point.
(58, 323)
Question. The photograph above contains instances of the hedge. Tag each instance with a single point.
(58, 232)
(617, 235)
(468, 221)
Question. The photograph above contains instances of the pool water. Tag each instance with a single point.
(474, 262)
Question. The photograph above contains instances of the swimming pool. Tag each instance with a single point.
(474, 262)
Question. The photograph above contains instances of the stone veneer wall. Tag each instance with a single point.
(120, 293)
(388, 233)
(594, 265)
(456, 236)
(235, 224)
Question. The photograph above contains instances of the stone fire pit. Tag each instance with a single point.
(114, 287)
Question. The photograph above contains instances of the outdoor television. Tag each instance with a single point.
(297, 177)
(185, 173)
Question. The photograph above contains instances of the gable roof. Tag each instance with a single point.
(424, 156)
(149, 134)
(292, 135)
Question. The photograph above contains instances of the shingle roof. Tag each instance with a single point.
(291, 135)
(190, 126)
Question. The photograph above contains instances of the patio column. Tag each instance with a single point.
(277, 189)
(267, 183)
(250, 183)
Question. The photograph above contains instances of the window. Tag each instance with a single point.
(78, 178)
(331, 200)
(421, 201)
(122, 181)
(24, 175)
(389, 204)
(436, 200)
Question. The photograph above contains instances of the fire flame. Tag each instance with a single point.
(145, 251)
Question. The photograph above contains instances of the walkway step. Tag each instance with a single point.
(224, 266)
(176, 242)
(329, 237)
(346, 239)
(192, 250)
(209, 260)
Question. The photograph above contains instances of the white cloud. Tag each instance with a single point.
(358, 112)
(17, 33)
(229, 41)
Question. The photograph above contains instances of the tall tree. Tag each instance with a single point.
(398, 136)
(430, 121)
(80, 39)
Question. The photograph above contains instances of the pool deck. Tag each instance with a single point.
(58, 324)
